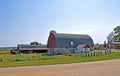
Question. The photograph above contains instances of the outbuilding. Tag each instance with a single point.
(28, 49)
(57, 41)
(82, 48)
(113, 45)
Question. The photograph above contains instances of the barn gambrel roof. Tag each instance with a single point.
(64, 40)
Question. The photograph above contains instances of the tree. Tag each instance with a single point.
(110, 37)
(104, 44)
(114, 36)
(117, 30)
(117, 34)
(35, 43)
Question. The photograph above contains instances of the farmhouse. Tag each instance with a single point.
(115, 45)
(28, 49)
(60, 43)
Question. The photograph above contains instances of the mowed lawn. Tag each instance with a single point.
(7, 60)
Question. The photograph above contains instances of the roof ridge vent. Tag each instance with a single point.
(53, 32)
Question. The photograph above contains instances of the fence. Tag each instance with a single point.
(71, 52)
(93, 53)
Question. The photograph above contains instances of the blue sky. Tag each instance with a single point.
(24, 21)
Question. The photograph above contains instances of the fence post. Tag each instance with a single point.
(90, 53)
(87, 54)
(82, 54)
(105, 51)
(110, 50)
(101, 52)
(93, 53)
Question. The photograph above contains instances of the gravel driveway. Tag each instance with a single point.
(96, 68)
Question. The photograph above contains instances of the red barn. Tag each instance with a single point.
(59, 40)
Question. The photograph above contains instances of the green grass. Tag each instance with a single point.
(4, 52)
(44, 59)
(6, 58)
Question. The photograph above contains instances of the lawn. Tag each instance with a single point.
(7, 60)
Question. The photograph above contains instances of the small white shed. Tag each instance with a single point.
(82, 48)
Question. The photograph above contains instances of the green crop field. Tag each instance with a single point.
(8, 60)
(4, 52)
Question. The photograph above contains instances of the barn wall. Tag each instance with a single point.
(52, 41)
(60, 50)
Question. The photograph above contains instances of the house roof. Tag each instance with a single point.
(82, 46)
(31, 47)
(116, 42)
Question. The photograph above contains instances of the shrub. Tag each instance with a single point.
(1, 60)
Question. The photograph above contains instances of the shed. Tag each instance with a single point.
(26, 48)
(115, 45)
(82, 48)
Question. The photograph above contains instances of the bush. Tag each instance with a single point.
(1, 60)
(98, 47)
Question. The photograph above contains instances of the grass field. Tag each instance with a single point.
(7, 60)
(4, 52)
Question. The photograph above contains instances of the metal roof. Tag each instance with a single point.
(116, 42)
(75, 36)
(31, 47)
(64, 40)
